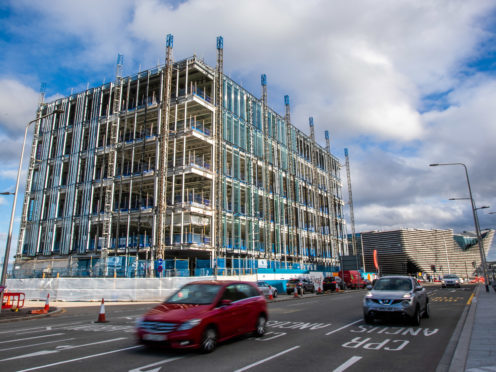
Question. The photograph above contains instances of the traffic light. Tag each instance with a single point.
(433, 268)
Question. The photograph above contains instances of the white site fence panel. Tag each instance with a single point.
(111, 289)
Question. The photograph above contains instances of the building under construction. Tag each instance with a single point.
(177, 168)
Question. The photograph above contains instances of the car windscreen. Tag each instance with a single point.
(393, 284)
(450, 276)
(197, 294)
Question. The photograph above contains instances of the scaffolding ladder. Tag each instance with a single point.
(109, 189)
(267, 205)
(219, 164)
(350, 203)
(164, 141)
(315, 187)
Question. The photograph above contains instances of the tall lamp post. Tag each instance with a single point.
(476, 221)
(9, 236)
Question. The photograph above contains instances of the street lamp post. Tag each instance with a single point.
(476, 221)
(9, 236)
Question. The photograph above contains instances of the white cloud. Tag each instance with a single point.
(376, 216)
(361, 69)
(18, 104)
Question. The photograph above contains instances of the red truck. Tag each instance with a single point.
(353, 279)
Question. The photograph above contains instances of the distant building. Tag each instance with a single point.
(434, 252)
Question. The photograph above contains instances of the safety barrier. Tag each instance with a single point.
(13, 300)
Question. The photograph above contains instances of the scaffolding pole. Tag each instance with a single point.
(350, 203)
(267, 204)
(219, 165)
(109, 189)
(164, 142)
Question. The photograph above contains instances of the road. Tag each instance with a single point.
(317, 333)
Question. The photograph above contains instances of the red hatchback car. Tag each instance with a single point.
(201, 314)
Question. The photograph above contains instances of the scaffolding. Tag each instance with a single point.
(178, 162)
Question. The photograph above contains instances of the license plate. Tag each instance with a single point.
(386, 308)
(152, 337)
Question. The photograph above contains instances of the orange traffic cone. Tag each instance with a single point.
(47, 303)
(271, 297)
(45, 309)
(295, 293)
(101, 315)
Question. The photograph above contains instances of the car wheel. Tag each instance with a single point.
(416, 317)
(368, 319)
(260, 326)
(427, 311)
(209, 340)
(275, 293)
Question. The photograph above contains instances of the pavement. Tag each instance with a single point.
(472, 347)
(476, 347)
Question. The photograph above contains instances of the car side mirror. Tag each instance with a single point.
(369, 287)
(418, 289)
(225, 302)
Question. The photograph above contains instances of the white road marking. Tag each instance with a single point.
(275, 335)
(141, 369)
(81, 358)
(38, 344)
(267, 359)
(42, 329)
(343, 327)
(30, 338)
(60, 348)
(347, 364)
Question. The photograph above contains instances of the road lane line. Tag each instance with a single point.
(347, 364)
(60, 348)
(47, 328)
(140, 369)
(470, 299)
(38, 344)
(343, 327)
(266, 359)
(36, 329)
(81, 358)
(30, 338)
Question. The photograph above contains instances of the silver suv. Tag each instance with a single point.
(396, 296)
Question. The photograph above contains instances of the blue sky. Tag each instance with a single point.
(401, 84)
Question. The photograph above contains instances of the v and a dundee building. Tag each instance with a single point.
(435, 252)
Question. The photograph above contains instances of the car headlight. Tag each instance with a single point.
(368, 295)
(189, 324)
(442, 281)
(407, 296)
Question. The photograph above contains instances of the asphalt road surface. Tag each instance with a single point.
(316, 333)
